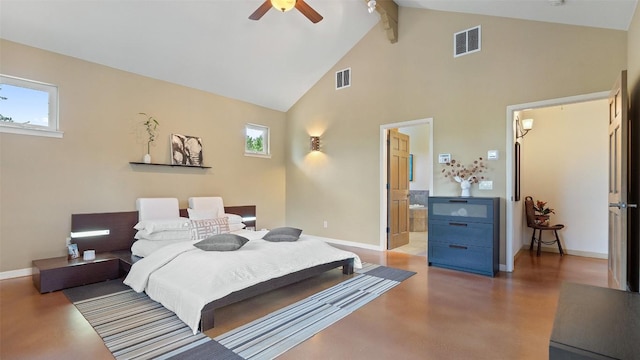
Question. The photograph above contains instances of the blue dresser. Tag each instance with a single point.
(464, 233)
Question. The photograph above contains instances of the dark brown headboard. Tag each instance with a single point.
(121, 231)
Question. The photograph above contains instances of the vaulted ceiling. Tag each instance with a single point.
(211, 45)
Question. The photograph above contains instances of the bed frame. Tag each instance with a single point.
(121, 237)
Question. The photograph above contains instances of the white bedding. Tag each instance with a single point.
(184, 278)
(144, 248)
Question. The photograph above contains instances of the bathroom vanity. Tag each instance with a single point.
(417, 218)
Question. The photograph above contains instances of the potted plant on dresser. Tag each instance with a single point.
(465, 175)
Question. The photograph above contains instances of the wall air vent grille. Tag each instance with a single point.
(343, 78)
(467, 41)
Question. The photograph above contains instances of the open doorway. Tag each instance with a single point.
(421, 148)
(552, 162)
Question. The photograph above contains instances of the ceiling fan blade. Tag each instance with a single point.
(261, 10)
(307, 11)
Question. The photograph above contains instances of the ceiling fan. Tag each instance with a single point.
(286, 5)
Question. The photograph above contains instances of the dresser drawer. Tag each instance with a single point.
(462, 209)
(461, 257)
(462, 233)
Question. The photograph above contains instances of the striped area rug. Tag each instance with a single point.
(280, 331)
(133, 326)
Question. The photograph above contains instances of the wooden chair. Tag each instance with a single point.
(531, 222)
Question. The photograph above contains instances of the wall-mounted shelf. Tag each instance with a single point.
(172, 165)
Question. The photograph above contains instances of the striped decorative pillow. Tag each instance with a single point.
(201, 229)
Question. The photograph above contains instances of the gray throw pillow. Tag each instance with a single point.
(222, 242)
(283, 234)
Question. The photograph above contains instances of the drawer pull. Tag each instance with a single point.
(457, 224)
(458, 201)
(458, 247)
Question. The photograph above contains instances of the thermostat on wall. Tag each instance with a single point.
(492, 155)
(444, 158)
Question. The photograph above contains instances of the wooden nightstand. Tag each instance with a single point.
(59, 273)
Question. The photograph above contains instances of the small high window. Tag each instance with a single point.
(28, 107)
(256, 140)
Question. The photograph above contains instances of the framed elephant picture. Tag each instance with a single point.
(186, 150)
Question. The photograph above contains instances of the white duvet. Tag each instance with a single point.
(184, 278)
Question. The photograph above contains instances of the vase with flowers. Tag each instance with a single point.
(151, 127)
(465, 175)
(542, 212)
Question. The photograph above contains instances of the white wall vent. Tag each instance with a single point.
(343, 78)
(466, 41)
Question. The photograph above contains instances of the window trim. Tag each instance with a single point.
(267, 130)
(52, 130)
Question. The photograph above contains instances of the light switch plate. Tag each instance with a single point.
(444, 158)
(492, 155)
(485, 185)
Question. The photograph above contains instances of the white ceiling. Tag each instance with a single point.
(211, 45)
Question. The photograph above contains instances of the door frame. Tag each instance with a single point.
(383, 170)
(513, 231)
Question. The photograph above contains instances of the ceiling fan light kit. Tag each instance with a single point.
(283, 5)
(286, 5)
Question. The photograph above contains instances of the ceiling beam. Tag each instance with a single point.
(388, 11)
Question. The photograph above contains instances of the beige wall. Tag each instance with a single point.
(520, 62)
(45, 180)
(564, 162)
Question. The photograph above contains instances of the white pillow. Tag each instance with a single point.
(153, 226)
(236, 227)
(214, 203)
(234, 219)
(165, 235)
(195, 214)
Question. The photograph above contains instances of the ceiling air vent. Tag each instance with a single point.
(343, 78)
(466, 41)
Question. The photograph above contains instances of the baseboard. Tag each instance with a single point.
(554, 249)
(502, 267)
(350, 243)
(588, 254)
(15, 273)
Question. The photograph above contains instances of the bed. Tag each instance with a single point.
(194, 283)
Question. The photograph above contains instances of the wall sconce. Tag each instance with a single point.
(523, 127)
(371, 5)
(314, 143)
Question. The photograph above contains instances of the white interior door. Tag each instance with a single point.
(618, 172)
